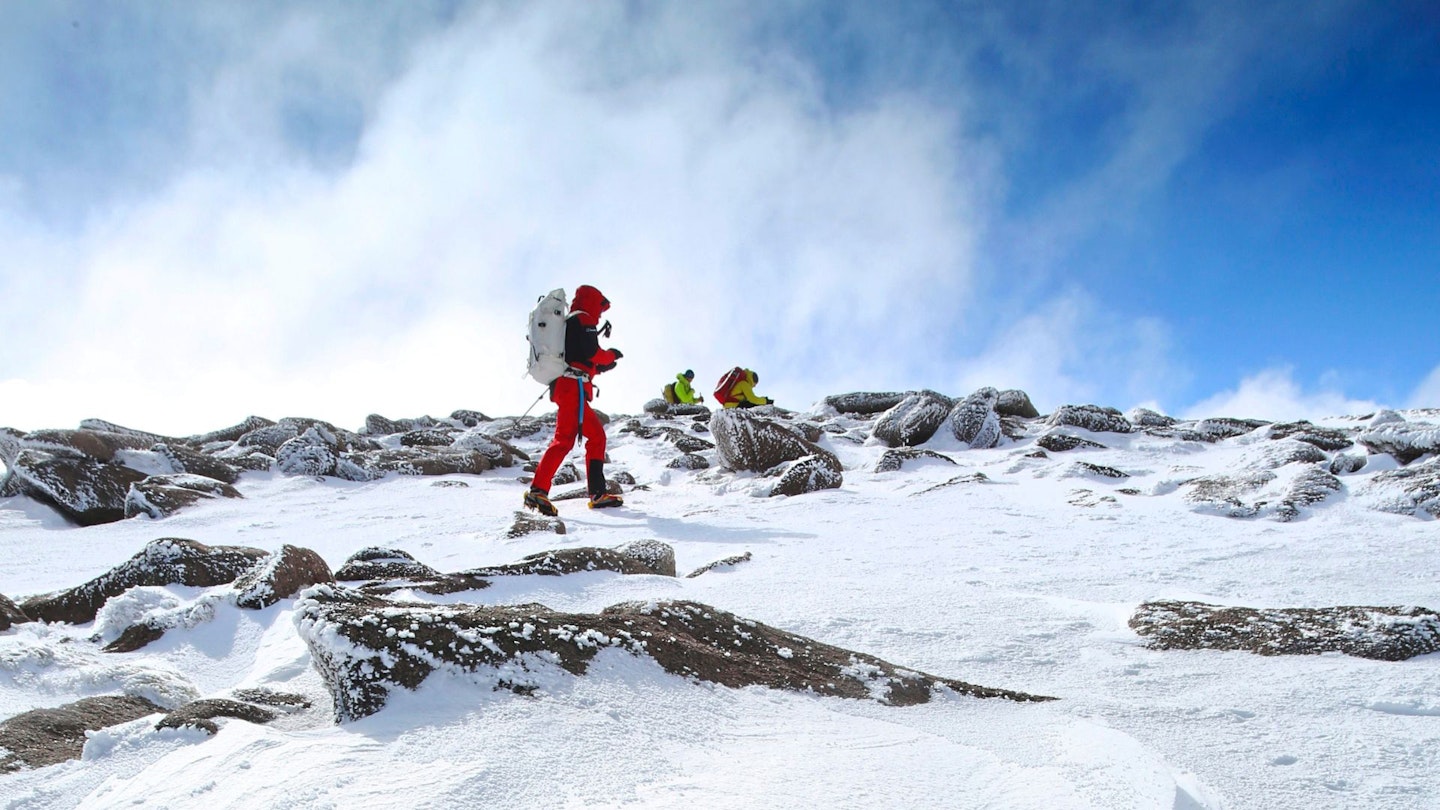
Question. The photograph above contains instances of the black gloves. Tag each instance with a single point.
(618, 354)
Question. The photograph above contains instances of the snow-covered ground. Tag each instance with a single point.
(1024, 581)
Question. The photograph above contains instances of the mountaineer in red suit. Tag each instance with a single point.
(572, 393)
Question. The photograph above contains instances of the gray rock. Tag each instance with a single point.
(720, 565)
(914, 420)
(689, 461)
(1014, 402)
(745, 441)
(160, 496)
(1090, 417)
(44, 737)
(809, 474)
(280, 576)
(365, 647)
(1380, 633)
(865, 403)
(1330, 439)
(85, 491)
(10, 613)
(1057, 442)
(167, 561)
(895, 458)
(201, 714)
(1309, 488)
(376, 563)
(975, 420)
(1406, 441)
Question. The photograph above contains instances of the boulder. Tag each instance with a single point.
(1085, 468)
(1324, 438)
(895, 458)
(1406, 441)
(497, 451)
(280, 576)
(726, 564)
(1146, 418)
(1057, 442)
(469, 418)
(639, 557)
(42, 737)
(364, 647)
(183, 459)
(689, 461)
(312, 453)
(746, 441)
(1413, 490)
(85, 491)
(1227, 495)
(864, 403)
(230, 434)
(975, 420)
(1344, 464)
(1220, 428)
(201, 714)
(810, 474)
(373, 464)
(914, 420)
(1014, 402)
(167, 561)
(163, 495)
(10, 614)
(429, 437)
(1090, 417)
(1309, 488)
(93, 444)
(1380, 633)
(376, 563)
(526, 523)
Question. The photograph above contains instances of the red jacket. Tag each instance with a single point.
(582, 332)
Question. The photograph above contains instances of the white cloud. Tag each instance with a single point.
(731, 217)
(1427, 393)
(1273, 394)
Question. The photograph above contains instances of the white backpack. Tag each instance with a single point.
(547, 338)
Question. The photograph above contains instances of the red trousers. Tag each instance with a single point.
(575, 417)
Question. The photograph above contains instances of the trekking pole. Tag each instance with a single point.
(532, 407)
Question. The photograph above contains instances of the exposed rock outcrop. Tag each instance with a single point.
(163, 495)
(864, 403)
(975, 421)
(895, 458)
(1090, 417)
(10, 613)
(914, 420)
(280, 576)
(1381, 633)
(365, 647)
(810, 474)
(746, 441)
(639, 557)
(44, 737)
(201, 714)
(1406, 441)
(1057, 442)
(87, 492)
(167, 561)
(1014, 402)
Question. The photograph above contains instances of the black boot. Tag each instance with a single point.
(595, 478)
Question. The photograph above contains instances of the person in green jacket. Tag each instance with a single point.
(680, 391)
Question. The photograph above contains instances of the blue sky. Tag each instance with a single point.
(329, 209)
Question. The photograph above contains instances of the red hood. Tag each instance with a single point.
(590, 304)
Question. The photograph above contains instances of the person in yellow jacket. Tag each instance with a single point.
(739, 388)
(681, 391)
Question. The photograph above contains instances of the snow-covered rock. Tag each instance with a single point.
(280, 576)
(366, 647)
(1382, 633)
(975, 421)
(810, 474)
(913, 420)
(1406, 441)
(749, 442)
(1093, 418)
(168, 561)
(160, 496)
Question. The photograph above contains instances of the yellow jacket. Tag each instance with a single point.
(744, 391)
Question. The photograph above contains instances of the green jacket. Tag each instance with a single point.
(683, 392)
